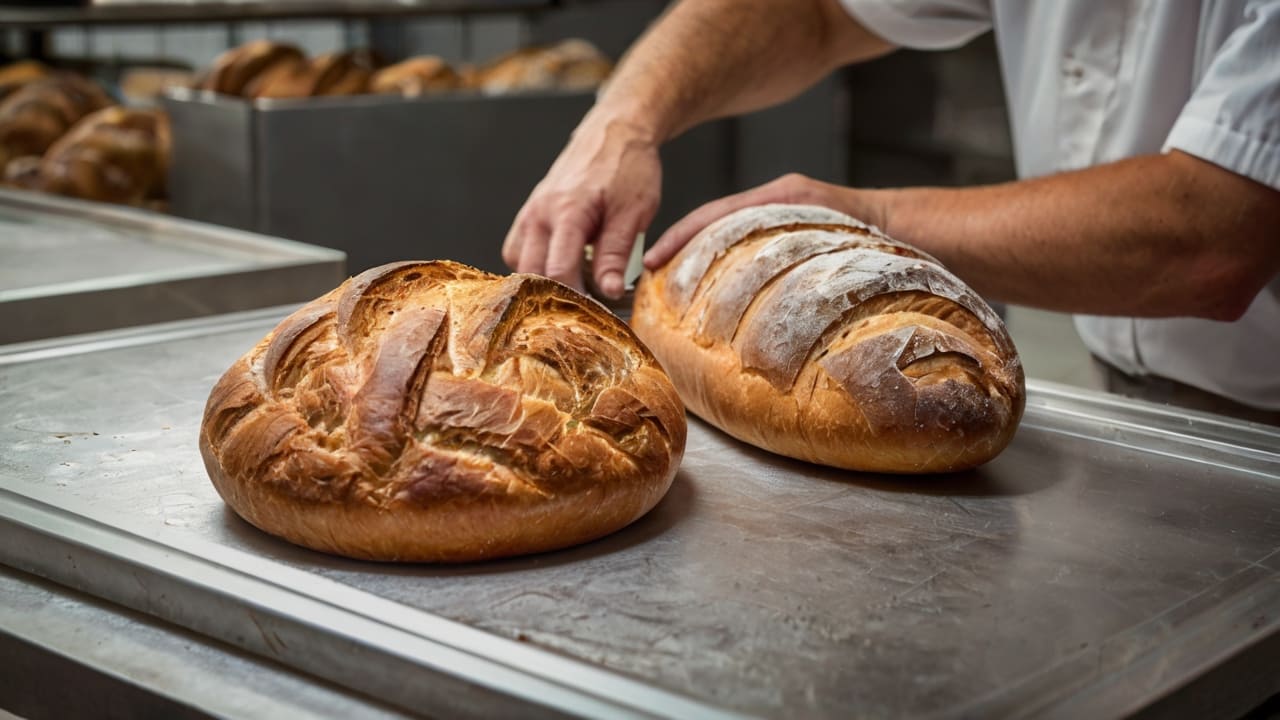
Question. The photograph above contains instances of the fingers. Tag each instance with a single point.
(532, 247)
(679, 235)
(786, 189)
(613, 250)
(564, 252)
(521, 230)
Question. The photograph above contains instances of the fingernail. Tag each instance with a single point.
(611, 285)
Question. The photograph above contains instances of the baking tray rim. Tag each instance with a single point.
(274, 252)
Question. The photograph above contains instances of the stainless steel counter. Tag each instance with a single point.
(1118, 557)
(53, 638)
(69, 266)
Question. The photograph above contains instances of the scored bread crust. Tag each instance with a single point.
(428, 411)
(810, 334)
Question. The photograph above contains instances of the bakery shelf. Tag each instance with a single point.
(108, 12)
(1118, 558)
(73, 266)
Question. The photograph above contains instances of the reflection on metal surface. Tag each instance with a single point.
(53, 638)
(1115, 554)
(75, 267)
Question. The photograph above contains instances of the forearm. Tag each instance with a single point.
(1158, 235)
(711, 58)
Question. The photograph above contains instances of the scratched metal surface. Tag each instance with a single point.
(1111, 554)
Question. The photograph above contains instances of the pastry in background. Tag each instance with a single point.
(569, 65)
(117, 155)
(33, 117)
(23, 172)
(337, 73)
(234, 70)
(16, 74)
(426, 75)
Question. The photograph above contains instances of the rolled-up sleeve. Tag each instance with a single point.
(923, 24)
(1233, 117)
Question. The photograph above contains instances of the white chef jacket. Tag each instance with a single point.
(1093, 81)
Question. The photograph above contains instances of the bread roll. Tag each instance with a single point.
(339, 73)
(116, 155)
(16, 74)
(425, 75)
(234, 70)
(428, 411)
(569, 65)
(23, 172)
(807, 333)
(33, 117)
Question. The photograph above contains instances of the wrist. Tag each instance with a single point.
(628, 121)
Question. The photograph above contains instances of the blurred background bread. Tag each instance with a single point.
(425, 75)
(35, 115)
(569, 65)
(116, 155)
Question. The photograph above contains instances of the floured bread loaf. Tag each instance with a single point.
(805, 332)
(428, 411)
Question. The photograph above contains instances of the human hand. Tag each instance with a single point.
(794, 188)
(603, 189)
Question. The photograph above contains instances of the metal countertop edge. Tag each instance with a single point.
(72, 547)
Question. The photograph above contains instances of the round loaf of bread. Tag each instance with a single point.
(805, 332)
(428, 411)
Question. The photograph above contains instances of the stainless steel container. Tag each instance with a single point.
(387, 178)
(69, 266)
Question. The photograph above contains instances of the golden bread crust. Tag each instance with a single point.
(427, 411)
(810, 334)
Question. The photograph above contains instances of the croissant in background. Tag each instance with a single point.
(805, 332)
(117, 155)
(428, 411)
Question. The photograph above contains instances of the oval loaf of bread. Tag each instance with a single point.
(805, 332)
(428, 411)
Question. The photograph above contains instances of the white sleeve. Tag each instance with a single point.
(923, 24)
(1233, 117)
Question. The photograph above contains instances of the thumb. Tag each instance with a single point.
(679, 234)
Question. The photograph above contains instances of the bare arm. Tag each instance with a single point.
(703, 59)
(713, 58)
(1152, 236)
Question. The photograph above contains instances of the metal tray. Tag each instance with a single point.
(1118, 558)
(68, 266)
